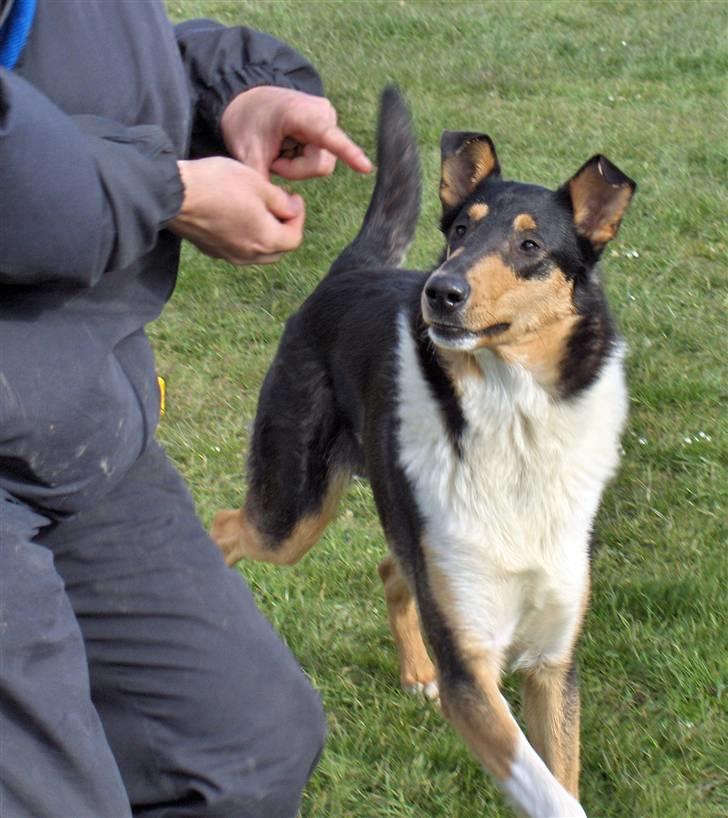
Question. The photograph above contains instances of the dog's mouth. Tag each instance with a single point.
(457, 337)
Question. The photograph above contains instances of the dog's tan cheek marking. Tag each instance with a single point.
(478, 711)
(543, 351)
(489, 279)
(548, 317)
(523, 222)
(478, 211)
(239, 538)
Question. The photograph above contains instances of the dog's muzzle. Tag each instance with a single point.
(445, 294)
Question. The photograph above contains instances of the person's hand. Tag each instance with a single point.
(289, 133)
(232, 212)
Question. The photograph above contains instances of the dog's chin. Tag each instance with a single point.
(461, 339)
(454, 338)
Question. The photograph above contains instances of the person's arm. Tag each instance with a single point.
(253, 97)
(222, 62)
(78, 195)
(258, 100)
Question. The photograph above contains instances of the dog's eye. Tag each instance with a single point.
(530, 246)
(460, 231)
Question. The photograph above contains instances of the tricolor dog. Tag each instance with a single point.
(485, 402)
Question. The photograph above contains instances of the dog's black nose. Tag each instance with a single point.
(445, 293)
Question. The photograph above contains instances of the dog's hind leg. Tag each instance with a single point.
(416, 671)
(299, 465)
(551, 708)
(241, 533)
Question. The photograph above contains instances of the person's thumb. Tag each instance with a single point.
(283, 205)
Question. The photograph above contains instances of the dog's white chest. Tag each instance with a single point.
(508, 517)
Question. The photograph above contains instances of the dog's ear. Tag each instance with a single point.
(599, 194)
(467, 159)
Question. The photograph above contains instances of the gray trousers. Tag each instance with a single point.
(136, 674)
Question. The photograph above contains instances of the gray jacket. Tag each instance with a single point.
(106, 97)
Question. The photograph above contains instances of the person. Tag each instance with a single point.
(136, 674)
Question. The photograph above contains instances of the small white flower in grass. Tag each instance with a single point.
(642, 441)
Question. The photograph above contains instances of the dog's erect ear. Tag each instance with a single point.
(600, 194)
(467, 159)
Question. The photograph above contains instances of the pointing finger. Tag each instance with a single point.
(333, 139)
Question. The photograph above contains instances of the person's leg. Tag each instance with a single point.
(55, 761)
(207, 712)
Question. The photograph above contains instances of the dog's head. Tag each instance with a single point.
(515, 252)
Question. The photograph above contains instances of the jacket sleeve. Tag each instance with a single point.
(221, 62)
(79, 195)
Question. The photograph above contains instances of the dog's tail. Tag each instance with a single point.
(389, 224)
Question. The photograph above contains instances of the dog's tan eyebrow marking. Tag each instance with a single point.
(524, 221)
(478, 211)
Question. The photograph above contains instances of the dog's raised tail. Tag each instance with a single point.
(390, 221)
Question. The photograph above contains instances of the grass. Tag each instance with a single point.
(552, 83)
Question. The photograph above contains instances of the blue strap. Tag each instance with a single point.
(14, 32)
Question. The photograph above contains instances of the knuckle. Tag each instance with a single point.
(256, 249)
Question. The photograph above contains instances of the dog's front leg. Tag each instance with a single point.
(474, 705)
(551, 708)
(469, 672)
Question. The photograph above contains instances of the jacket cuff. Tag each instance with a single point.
(125, 157)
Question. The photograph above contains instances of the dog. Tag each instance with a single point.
(484, 400)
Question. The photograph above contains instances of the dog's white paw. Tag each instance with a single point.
(428, 690)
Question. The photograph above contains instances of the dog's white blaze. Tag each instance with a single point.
(533, 789)
(509, 523)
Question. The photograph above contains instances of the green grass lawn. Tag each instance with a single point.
(552, 83)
